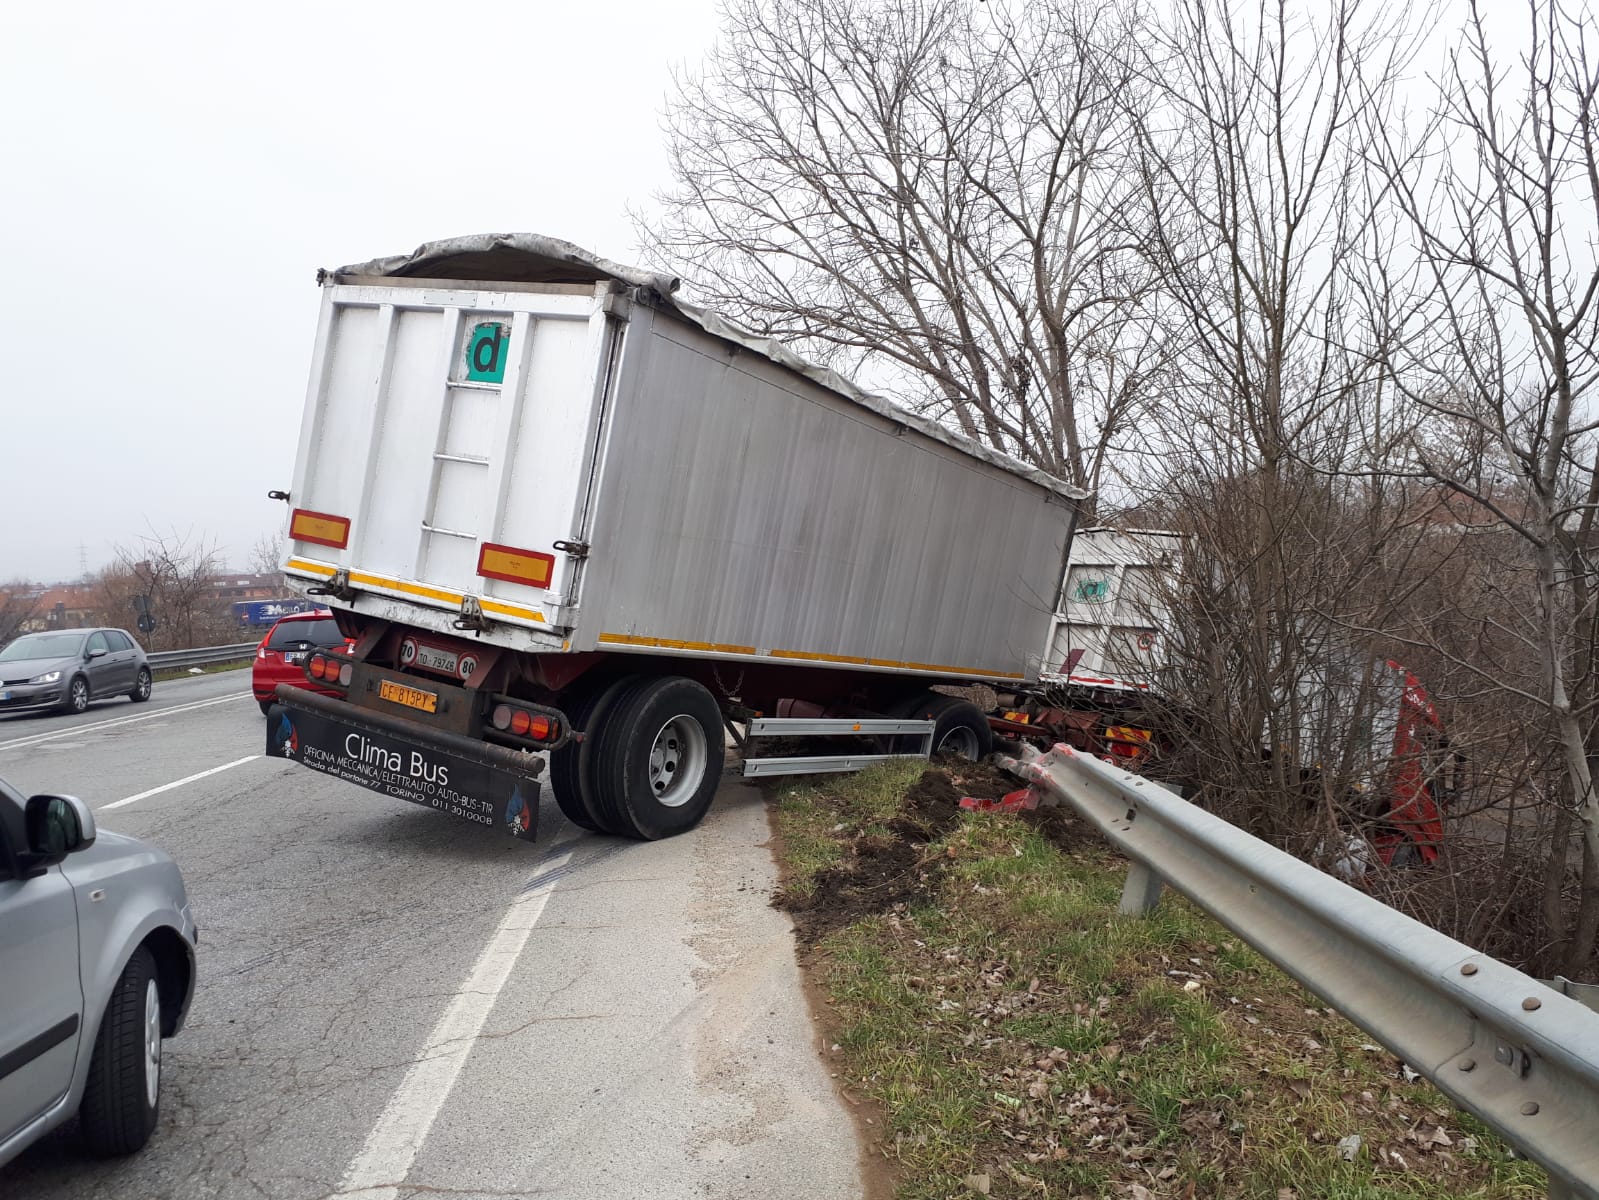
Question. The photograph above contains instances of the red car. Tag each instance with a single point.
(280, 658)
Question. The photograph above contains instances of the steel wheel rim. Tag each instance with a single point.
(144, 683)
(80, 695)
(152, 1043)
(961, 741)
(677, 763)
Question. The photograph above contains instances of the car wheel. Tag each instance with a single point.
(77, 697)
(658, 759)
(122, 1098)
(141, 687)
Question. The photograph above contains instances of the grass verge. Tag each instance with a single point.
(1022, 1039)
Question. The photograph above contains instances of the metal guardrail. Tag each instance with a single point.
(205, 656)
(1519, 1055)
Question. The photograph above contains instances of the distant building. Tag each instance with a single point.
(65, 606)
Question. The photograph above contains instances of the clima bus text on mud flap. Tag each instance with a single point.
(485, 784)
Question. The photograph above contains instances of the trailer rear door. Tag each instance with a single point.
(448, 443)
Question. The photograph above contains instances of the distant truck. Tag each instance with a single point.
(561, 510)
(1101, 688)
(269, 612)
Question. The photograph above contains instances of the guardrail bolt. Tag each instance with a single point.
(1468, 969)
(1468, 1064)
(1531, 1003)
(1530, 1109)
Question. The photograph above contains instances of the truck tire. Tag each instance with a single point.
(572, 766)
(658, 759)
(960, 728)
(121, 1101)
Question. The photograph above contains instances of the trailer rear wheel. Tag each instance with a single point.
(959, 727)
(658, 760)
(572, 766)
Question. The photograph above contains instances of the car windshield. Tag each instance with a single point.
(43, 645)
(291, 635)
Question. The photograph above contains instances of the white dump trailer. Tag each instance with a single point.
(559, 509)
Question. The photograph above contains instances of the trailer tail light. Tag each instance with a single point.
(325, 669)
(515, 566)
(1128, 742)
(325, 529)
(518, 722)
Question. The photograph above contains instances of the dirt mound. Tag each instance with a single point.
(880, 873)
(881, 870)
(1064, 827)
(931, 808)
(981, 779)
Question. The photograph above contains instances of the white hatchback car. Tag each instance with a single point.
(96, 968)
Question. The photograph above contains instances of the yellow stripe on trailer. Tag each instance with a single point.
(441, 595)
(848, 660)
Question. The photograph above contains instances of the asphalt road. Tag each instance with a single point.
(394, 1003)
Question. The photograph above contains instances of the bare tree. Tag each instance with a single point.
(1252, 159)
(933, 195)
(1504, 358)
(174, 574)
(19, 601)
(1253, 163)
(266, 556)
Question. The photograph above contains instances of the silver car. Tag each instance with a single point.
(67, 668)
(96, 968)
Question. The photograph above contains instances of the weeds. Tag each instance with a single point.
(1023, 1039)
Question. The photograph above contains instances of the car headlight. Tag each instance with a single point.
(47, 677)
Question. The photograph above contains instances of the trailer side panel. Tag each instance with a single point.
(744, 510)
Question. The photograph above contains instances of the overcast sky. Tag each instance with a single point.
(176, 173)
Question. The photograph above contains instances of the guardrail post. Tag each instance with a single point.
(1141, 892)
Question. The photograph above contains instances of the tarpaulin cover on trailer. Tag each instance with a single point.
(533, 258)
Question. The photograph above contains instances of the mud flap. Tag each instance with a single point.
(449, 779)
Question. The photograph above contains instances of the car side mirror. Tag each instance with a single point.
(96, 653)
(56, 826)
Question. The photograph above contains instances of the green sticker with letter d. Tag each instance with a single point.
(486, 352)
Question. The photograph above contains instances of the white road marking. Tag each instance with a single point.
(79, 730)
(379, 1171)
(177, 783)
